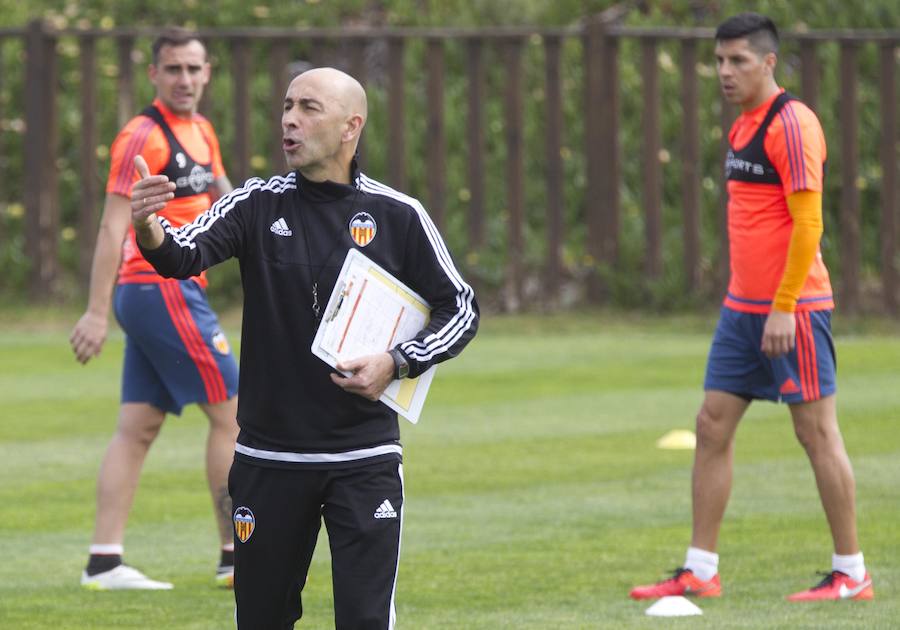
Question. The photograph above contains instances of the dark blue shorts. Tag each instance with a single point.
(737, 364)
(175, 352)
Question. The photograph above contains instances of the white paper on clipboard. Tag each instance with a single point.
(370, 311)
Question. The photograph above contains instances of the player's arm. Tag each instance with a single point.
(796, 145)
(90, 331)
(805, 207)
(214, 236)
(219, 188)
(779, 333)
(429, 270)
(453, 321)
(148, 196)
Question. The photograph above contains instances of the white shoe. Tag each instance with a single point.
(122, 577)
(225, 576)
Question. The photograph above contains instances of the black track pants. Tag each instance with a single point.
(278, 514)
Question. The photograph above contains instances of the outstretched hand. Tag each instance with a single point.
(370, 375)
(149, 195)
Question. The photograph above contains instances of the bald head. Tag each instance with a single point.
(324, 113)
(342, 90)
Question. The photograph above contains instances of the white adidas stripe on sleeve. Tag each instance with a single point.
(185, 235)
(443, 339)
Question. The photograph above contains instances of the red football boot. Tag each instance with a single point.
(835, 586)
(683, 582)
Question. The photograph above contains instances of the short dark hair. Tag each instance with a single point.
(759, 30)
(174, 36)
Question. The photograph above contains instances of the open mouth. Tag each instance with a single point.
(289, 144)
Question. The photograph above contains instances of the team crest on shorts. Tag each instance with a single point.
(244, 523)
(362, 228)
(220, 343)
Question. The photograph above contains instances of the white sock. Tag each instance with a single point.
(107, 550)
(852, 565)
(704, 564)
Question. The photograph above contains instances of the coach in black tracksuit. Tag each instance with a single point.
(314, 444)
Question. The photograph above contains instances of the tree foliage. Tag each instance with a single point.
(486, 264)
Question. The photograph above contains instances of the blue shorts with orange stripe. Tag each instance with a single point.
(175, 352)
(737, 364)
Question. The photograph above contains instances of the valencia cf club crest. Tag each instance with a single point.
(244, 523)
(362, 228)
(220, 343)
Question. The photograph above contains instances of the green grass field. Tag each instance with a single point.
(535, 495)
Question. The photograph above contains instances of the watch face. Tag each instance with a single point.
(400, 364)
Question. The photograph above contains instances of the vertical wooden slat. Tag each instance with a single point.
(476, 142)
(50, 193)
(554, 168)
(652, 175)
(593, 136)
(240, 86)
(690, 164)
(41, 177)
(602, 151)
(89, 184)
(850, 211)
(4, 160)
(34, 149)
(890, 196)
(125, 80)
(34, 139)
(436, 147)
(396, 114)
(317, 52)
(514, 105)
(205, 104)
(809, 73)
(727, 119)
(610, 147)
(278, 87)
(358, 48)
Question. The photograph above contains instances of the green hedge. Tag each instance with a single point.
(628, 288)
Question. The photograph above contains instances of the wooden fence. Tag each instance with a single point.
(600, 39)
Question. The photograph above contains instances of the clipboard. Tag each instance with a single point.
(370, 311)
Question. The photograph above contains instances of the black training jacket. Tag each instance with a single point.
(288, 232)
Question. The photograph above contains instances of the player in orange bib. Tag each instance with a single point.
(773, 340)
(175, 353)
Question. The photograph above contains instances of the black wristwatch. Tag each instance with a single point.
(401, 365)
